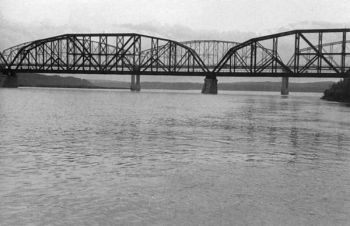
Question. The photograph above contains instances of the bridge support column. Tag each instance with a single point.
(285, 86)
(135, 83)
(210, 85)
(9, 81)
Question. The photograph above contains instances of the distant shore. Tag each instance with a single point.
(55, 81)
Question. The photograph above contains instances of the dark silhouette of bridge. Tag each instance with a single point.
(318, 53)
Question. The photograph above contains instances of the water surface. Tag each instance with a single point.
(109, 157)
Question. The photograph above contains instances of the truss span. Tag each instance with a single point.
(105, 54)
(298, 53)
(331, 47)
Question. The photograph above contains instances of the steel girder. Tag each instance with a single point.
(305, 57)
(104, 54)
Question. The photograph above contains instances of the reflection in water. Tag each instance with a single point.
(294, 136)
(272, 135)
(90, 157)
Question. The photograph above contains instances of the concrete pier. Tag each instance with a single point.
(210, 85)
(285, 86)
(9, 81)
(135, 83)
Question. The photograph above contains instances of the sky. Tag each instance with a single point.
(234, 20)
(238, 18)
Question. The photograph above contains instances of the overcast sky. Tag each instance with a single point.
(224, 16)
(245, 15)
(236, 20)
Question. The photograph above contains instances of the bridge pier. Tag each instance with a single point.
(135, 83)
(9, 81)
(210, 85)
(285, 86)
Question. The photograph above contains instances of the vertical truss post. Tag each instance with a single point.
(193, 61)
(118, 40)
(67, 52)
(251, 57)
(90, 51)
(319, 60)
(275, 55)
(84, 54)
(187, 60)
(170, 52)
(157, 53)
(36, 57)
(58, 54)
(51, 55)
(74, 53)
(99, 52)
(234, 63)
(296, 52)
(105, 44)
(122, 51)
(134, 55)
(153, 52)
(139, 53)
(255, 53)
(343, 52)
(175, 57)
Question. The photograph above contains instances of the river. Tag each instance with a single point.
(114, 157)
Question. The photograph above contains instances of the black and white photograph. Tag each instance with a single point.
(174, 112)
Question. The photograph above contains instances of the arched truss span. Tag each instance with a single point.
(298, 53)
(210, 51)
(105, 54)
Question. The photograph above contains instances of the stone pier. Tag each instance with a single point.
(135, 83)
(210, 85)
(9, 81)
(285, 86)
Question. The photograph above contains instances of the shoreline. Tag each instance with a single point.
(158, 88)
(339, 92)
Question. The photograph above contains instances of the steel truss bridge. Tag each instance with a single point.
(297, 53)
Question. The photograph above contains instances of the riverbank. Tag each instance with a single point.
(315, 87)
(56, 81)
(338, 92)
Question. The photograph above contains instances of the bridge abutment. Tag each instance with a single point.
(210, 85)
(135, 83)
(9, 81)
(285, 86)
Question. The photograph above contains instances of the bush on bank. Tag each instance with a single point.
(339, 91)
